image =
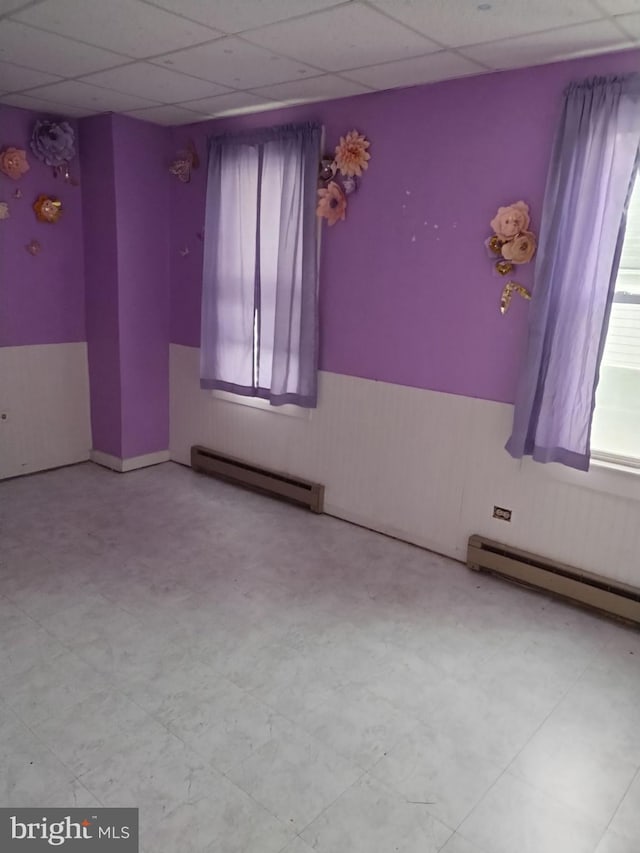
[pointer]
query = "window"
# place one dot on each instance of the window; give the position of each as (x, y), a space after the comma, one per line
(615, 433)
(259, 295)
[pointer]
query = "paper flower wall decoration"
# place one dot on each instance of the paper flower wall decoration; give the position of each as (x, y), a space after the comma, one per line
(53, 142)
(184, 163)
(332, 204)
(513, 243)
(351, 154)
(339, 176)
(4, 210)
(47, 209)
(33, 247)
(13, 163)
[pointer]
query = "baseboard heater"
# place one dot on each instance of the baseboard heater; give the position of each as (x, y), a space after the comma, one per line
(259, 479)
(586, 588)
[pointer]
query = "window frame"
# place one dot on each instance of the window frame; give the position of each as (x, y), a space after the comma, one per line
(602, 457)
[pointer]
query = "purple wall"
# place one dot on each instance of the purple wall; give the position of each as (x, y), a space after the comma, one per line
(41, 298)
(101, 274)
(142, 152)
(126, 224)
(407, 293)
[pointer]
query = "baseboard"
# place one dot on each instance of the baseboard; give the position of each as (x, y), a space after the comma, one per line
(130, 464)
(392, 532)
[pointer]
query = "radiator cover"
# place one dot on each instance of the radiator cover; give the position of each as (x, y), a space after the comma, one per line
(259, 479)
(562, 580)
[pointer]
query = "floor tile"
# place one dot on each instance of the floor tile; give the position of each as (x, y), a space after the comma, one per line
(294, 776)
(71, 794)
(626, 821)
(56, 684)
(426, 767)
(297, 846)
(166, 773)
(515, 816)
(30, 771)
(458, 844)
(357, 724)
(357, 690)
(87, 733)
(226, 821)
(495, 727)
(228, 730)
(370, 817)
(576, 765)
(612, 843)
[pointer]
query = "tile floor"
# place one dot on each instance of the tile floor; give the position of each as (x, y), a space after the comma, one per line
(258, 679)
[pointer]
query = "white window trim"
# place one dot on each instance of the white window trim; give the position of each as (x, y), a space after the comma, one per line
(608, 477)
(262, 405)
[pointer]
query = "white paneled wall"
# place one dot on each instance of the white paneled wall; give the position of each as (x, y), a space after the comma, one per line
(425, 466)
(44, 396)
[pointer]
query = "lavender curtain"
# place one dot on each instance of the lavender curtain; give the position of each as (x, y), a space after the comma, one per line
(592, 169)
(259, 333)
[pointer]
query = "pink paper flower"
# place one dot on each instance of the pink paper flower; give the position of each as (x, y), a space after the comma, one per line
(13, 162)
(511, 220)
(521, 249)
(332, 204)
(351, 154)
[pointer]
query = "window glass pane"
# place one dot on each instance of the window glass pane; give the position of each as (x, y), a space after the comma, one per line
(236, 261)
(616, 423)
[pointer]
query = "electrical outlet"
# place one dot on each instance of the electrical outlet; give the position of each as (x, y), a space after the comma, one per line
(502, 513)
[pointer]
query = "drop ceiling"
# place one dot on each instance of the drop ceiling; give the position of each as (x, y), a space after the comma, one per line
(180, 61)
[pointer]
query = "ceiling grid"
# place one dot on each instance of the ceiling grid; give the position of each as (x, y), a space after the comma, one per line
(180, 61)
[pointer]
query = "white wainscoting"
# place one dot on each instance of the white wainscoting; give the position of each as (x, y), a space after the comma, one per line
(132, 463)
(44, 393)
(421, 465)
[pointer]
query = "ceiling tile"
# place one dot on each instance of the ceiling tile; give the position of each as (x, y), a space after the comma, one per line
(7, 6)
(47, 52)
(470, 22)
(167, 115)
(345, 37)
(233, 17)
(411, 72)
(155, 82)
(14, 78)
(39, 105)
(630, 23)
(126, 26)
(323, 88)
(225, 103)
(236, 63)
(552, 46)
(619, 7)
(83, 95)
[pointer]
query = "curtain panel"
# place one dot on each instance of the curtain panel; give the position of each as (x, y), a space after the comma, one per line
(259, 330)
(593, 166)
